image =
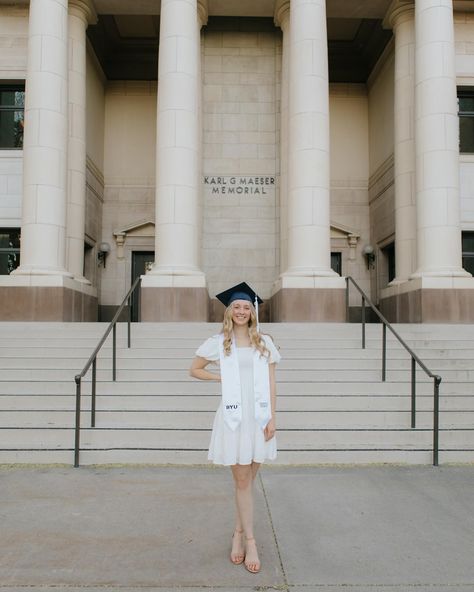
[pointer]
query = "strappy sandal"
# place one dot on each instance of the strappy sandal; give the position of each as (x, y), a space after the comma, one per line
(237, 558)
(252, 566)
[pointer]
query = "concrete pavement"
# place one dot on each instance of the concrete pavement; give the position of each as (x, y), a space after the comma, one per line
(319, 529)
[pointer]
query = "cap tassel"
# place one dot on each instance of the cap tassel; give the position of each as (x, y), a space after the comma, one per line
(256, 312)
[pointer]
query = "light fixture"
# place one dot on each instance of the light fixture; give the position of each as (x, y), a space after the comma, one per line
(104, 250)
(368, 252)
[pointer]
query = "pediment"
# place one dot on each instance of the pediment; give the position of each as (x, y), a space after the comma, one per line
(141, 228)
(341, 231)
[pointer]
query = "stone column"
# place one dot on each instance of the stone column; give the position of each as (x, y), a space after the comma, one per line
(309, 252)
(308, 289)
(439, 290)
(437, 142)
(282, 19)
(402, 20)
(176, 273)
(43, 230)
(81, 14)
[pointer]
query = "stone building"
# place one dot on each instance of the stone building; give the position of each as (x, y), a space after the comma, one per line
(200, 143)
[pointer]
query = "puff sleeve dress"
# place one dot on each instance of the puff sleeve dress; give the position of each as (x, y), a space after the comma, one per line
(247, 442)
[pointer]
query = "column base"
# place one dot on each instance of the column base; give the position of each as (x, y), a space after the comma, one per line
(325, 304)
(46, 298)
(429, 300)
(173, 304)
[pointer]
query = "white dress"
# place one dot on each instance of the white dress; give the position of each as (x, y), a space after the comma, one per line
(247, 442)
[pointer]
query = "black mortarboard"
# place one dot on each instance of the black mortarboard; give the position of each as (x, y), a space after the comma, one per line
(240, 292)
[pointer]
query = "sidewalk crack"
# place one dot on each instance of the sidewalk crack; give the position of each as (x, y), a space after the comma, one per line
(286, 585)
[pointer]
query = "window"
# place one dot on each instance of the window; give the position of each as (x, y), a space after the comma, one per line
(468, 251)
(336, 262)
(9, 250)
(12, 106)
(466, 121)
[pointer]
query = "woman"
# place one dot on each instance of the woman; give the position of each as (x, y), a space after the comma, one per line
(243, 434)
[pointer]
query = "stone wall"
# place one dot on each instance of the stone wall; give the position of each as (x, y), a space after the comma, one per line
(349, 115)
(13, 42)
(11, 168)
(13, 53)
(129, 178)
(381, 187)
(241, 61)
(95, 167)
(464, 37)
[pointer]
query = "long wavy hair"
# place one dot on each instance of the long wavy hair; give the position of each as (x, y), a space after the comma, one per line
(256, 338)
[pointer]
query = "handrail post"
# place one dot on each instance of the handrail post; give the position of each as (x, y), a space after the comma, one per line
(77, 429)
(437, 380)
(93, 397)
(413, 392)
(129, 332)
(347, 300)
(363, 322)
(114, 352)
(384, 352)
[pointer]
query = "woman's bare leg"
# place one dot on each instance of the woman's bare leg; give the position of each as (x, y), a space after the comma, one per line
(237, 554)
(255, 467)
(244, 476)
(238, 522)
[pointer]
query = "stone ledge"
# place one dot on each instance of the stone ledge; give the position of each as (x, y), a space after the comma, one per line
(309, 305)
(174, 304)
(46, 303)
(430, 306)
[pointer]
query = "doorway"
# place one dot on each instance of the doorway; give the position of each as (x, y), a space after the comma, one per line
(141, 262)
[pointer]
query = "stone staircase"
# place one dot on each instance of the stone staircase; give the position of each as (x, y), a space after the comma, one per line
(332, 405)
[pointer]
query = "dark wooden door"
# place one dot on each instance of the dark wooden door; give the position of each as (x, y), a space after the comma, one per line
(141, 261)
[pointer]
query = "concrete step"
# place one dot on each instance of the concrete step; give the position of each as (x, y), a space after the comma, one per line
(190, 387)
(184, 420)
(199, 457)
(332, 405)
(284, 375)
(293, 331)
(73, 364)
(184, 334)
(303, 403)
(198, 439)
(187, 353)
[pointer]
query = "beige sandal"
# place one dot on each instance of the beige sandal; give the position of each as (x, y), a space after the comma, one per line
(252, 566)
(237, 558)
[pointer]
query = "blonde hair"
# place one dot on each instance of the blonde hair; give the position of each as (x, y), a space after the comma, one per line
(256, 339)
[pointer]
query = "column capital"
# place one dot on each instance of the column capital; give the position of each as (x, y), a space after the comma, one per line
(282, 13)
(202, 12)
(83, 9)
(398, 12)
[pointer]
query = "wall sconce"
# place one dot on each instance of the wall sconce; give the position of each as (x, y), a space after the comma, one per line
(368, 252)
(104, 250)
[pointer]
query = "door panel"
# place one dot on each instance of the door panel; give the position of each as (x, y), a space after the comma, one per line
(141, 261)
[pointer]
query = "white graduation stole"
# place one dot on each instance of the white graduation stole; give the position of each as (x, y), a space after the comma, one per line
(231, 387)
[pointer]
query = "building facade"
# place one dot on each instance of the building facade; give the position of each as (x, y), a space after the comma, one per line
(200, 143)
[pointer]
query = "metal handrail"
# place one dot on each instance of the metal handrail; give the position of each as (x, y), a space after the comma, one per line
(93, 361)
(414, 361)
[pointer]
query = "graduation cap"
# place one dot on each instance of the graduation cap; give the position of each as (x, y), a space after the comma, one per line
(240, 292)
